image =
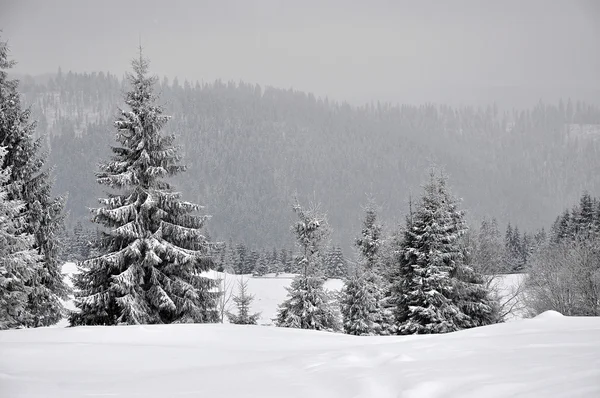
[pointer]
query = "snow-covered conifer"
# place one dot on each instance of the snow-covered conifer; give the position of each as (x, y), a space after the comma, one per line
(308, 305)
(152, 251)
(243, 301)
(361, 296)
(429, 254)
(29, 183)
(262, 265)
(18, 259)
(335, 263)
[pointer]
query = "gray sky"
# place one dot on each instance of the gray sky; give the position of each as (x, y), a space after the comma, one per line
(353, 50)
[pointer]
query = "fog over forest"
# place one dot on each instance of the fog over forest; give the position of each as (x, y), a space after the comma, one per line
(465, 51)
(503, 96)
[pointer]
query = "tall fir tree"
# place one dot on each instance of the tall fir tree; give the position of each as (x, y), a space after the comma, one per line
(30, 183)
(428, 256)
(308, 305)
(585, 219)
(228, 263)
(152, 251)
(471, 293)
(262, 265)
(241, 252)
(361, 297)
(18, 258)
(488, 256)
(336, 265)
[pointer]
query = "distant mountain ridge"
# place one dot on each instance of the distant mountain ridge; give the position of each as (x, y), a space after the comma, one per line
(249, 149)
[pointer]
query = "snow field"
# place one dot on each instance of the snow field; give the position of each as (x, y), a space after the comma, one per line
(548, 356)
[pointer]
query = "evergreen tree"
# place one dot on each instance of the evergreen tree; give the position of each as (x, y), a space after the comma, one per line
(512, 249)
(429, 255)
(29, 183)
(229, 258)
(362, 294)
(243, 301)
(308, 305)
(335, 264)
(370, 240)
(358, 306)
(240, 259)
(251, 262)
(262, 266)
(585, 219)
(276, 265)
(478, 306)
(18, 259)
(286, 260)
(488, 256)
(152, 252)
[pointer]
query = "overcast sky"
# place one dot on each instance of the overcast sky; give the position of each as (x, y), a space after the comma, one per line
(349, 50)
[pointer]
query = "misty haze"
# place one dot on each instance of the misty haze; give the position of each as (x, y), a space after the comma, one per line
(265, 198)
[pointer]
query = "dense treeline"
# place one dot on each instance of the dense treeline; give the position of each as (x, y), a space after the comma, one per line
(253, 148)
(565, 271)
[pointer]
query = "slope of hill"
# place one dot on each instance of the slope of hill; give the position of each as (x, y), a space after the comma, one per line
(549, 356)
(250, 149)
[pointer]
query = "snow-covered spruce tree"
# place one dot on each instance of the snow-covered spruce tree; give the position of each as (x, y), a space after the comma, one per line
(438, 289)
(30, 183)
(370, 240)
(262, 265)
(228, 263)
(243, 301)
(473, 293)
(335, 263)
(362, 293)
(308, 305)
(428, 256)
(152, 252)
(18, 259)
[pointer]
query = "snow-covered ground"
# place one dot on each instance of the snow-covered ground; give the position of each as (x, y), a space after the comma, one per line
(548, 356)
(270, 291)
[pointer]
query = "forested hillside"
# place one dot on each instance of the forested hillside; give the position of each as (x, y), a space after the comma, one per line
(249, 149)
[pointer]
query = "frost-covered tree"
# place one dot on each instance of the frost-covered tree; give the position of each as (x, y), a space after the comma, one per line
(152, 251)
(429, 254)
(488, 254)
(335, 263)
(361, 297)
(243, 301)
(308, 305)
(262, 265)
(438, 290)
(475, 293)
(370, 240)
(18, 259)
(276, 265)
(228, 263)
(360, 304)
(31, 184)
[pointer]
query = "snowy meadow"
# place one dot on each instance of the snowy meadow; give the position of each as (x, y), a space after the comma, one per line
(547, 356)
